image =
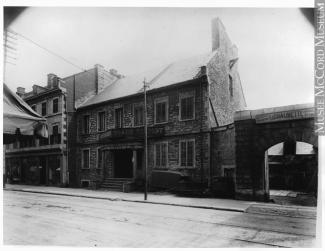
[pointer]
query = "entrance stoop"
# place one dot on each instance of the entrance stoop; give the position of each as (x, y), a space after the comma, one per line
(117, 184)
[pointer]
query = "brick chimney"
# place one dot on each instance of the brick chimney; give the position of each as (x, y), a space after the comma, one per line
(52, 80)
(20, 91)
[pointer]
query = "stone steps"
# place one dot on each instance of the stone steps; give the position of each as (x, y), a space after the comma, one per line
(115, 184)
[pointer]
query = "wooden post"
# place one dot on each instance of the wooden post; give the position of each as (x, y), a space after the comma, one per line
(145, 141)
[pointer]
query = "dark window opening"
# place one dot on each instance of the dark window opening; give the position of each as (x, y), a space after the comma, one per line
(101, 121)
(138, 115)
(85, 158)
(119, 118)
(161, 112)
(55, 105)
(187, 108)
(86, 124)
(44, 109)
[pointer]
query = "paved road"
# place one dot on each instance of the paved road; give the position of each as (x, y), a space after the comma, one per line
(41, 219)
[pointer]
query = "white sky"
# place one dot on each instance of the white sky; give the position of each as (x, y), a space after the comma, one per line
(275, 45)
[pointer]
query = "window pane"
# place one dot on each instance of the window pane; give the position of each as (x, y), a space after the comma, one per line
(183, 153)
(101, 122)
(190, 153)
(157, 154)
(187, 108)
(138, 116)
(86, 159)
(161, 112)
(99, 158)
(163, 154)
(43, 109)
(86, 124)
(55, 105)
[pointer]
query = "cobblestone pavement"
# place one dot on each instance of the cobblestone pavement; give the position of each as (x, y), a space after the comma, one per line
(42, 219)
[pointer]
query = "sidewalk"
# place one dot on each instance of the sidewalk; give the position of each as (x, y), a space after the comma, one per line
(170, 199)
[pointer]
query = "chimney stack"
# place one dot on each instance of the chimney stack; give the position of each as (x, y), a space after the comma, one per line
(52, 80)
(20, 91)
(216, 30)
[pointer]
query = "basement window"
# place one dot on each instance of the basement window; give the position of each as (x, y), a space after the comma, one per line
(85, 183)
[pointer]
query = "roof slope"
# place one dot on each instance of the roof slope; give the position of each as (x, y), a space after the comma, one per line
(174, 73)
(18, 115)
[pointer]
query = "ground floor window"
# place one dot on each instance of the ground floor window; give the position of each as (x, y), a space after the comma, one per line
(161, 155)
(99, 158)
(85, 159)
(187, 153)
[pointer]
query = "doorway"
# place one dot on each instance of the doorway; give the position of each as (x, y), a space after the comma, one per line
(290, 173)
(123, 164)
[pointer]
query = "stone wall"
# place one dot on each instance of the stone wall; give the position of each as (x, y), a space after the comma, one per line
(253, 139)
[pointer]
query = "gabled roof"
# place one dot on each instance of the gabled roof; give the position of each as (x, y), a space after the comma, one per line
(174, 73)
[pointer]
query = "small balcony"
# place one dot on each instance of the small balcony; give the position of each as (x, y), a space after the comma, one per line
(131, 133)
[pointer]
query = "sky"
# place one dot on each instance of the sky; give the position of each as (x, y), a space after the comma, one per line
(275, 45)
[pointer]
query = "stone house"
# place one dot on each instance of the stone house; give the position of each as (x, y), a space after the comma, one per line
(42, 161)
(190, 107)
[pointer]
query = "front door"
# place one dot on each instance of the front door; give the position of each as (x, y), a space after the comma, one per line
(123, 164)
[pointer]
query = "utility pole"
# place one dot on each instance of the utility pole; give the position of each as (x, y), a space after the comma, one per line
(145, 141)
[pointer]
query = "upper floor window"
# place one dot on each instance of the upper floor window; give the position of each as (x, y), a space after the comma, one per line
(55, 138)
(187, 107)
(85, 158)
(55, 105)
(231, 87)
(44, 108)
(161, 155)
(85, 124)
(138, 115)
(101, 121)
(187, 153)
(119, 118)
(34, 107)
(161, 110)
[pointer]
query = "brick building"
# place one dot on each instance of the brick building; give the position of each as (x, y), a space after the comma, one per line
(190, 107)
(42, 161)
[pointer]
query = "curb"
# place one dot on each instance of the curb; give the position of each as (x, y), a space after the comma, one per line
(128, 200)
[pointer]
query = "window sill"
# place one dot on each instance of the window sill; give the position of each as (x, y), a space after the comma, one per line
(184, 120)
(161, 123)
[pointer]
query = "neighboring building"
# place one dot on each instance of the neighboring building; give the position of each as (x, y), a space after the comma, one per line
(42, 161)
(190, 104)
(51, 161)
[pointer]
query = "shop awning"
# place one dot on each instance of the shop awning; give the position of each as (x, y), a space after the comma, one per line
(19, 118)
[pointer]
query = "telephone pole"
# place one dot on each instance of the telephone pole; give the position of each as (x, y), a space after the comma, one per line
(145, 140)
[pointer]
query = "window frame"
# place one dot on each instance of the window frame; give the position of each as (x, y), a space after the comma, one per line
(98, 121)
(82, 158)
(99, 166)
(180, 153)
(52, 134)
(184, 96)
(158, 101)
(45, 102)
(138, 106)
(121, 108)
(57, 106)
(155, 155)
(83, 124)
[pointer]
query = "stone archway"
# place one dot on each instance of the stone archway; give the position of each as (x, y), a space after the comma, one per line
(257, 131)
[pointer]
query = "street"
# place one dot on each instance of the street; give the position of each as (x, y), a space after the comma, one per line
(42, 219)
